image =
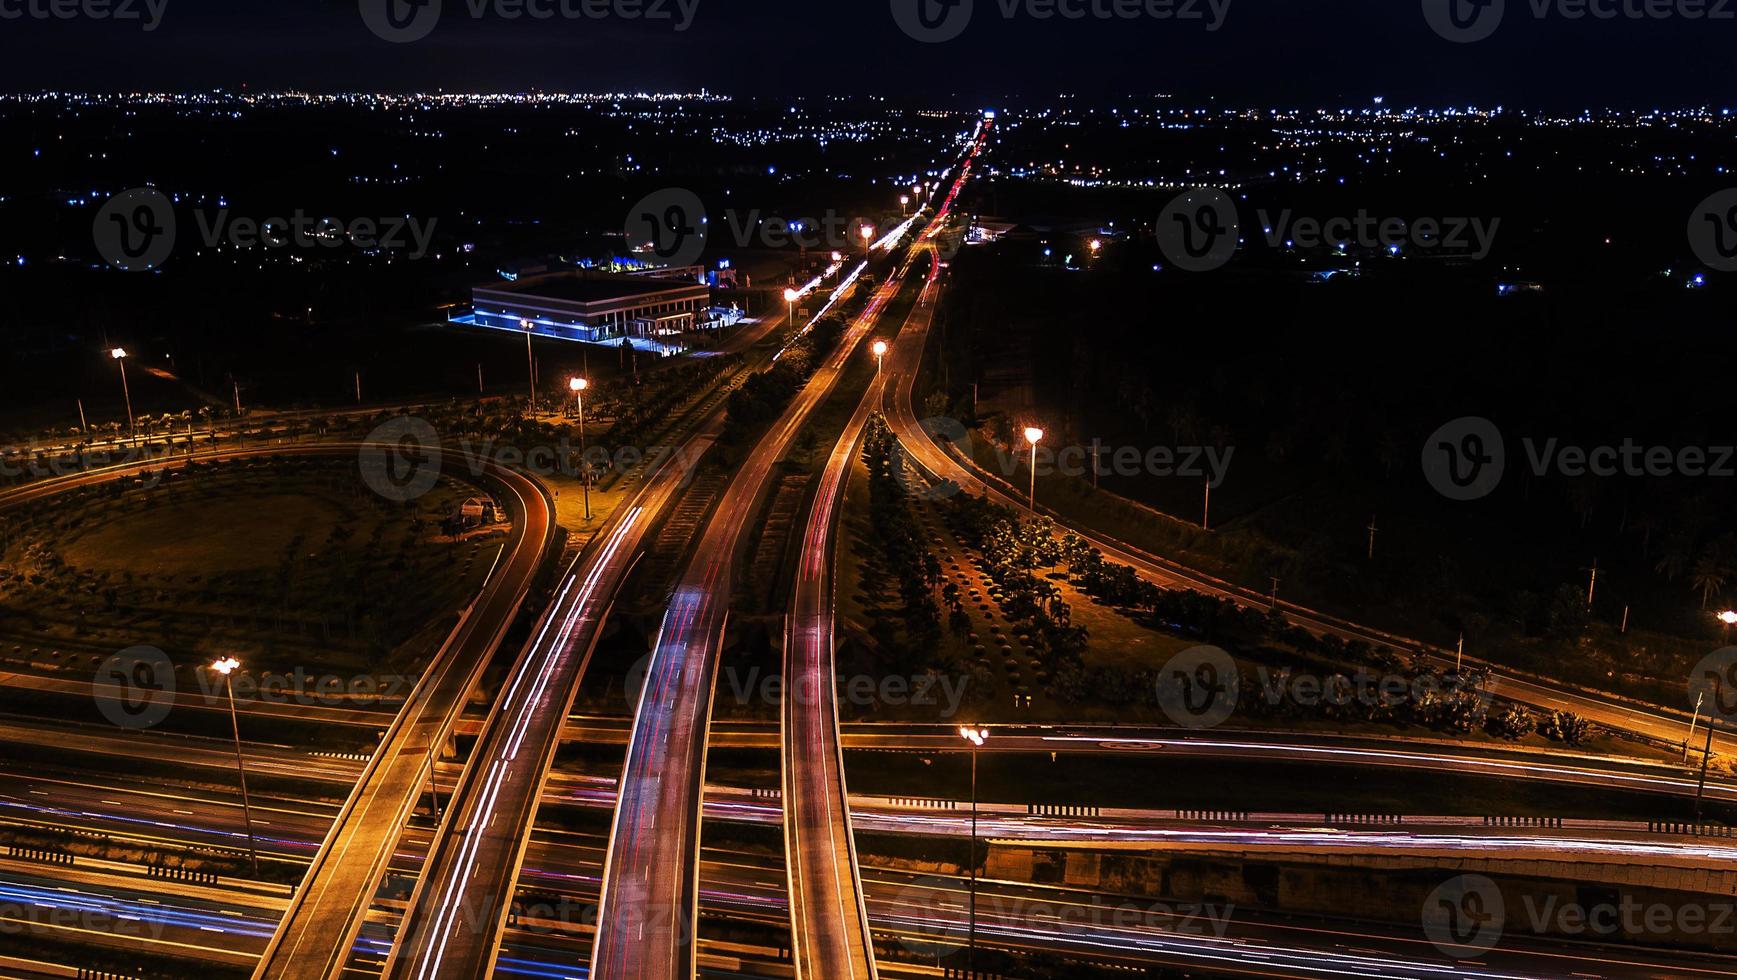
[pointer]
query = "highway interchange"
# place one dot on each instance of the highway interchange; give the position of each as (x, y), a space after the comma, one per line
(649, 882)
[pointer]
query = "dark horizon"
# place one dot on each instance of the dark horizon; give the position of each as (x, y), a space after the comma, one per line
(1260, 54)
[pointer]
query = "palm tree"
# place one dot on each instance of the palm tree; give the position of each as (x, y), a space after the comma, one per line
(1674, 561)
(1709, 577)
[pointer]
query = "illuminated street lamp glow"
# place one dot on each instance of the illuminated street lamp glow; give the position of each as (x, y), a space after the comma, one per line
(578, 386)
(226, 667)
(1728, 617)
(120, 356)
(530, 364)
(976, 736)
(1033, 435)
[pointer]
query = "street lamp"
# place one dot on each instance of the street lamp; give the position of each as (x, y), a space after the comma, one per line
(868, 236)
(120, 356)
(226, 667)
(578, 386)
(975, 736)
(904, 203)
(1034, 436)
(1729, 619)
(790, 298)
(880, 350)
(530, 364)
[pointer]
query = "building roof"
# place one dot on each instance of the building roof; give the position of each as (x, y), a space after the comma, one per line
(575, 288)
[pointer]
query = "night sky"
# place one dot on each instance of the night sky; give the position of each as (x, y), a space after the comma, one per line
(1267, 52)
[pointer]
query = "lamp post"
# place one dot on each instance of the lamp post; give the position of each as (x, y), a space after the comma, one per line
(578, 385)
(1694, 721)
(790, 298)
(530, 364)
(120, 356)
(1727, 619)
(1034, 436)
(868, 237)
(976, 736)
(226, 667)
(880, 352)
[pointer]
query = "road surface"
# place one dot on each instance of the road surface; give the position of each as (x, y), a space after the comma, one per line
(651, 891)
(313, 940)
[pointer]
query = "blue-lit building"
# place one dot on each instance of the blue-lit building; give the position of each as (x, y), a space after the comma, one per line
(649, 311)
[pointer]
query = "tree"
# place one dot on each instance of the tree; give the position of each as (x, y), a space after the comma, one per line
(1512, 722)
(1708, 577)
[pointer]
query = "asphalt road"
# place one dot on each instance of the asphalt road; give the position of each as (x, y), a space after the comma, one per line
(829, 924)
(313, 941)
(650, 895)
(460, 905)
(924, 914)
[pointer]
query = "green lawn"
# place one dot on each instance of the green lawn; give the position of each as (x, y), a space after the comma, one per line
(285, 564)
